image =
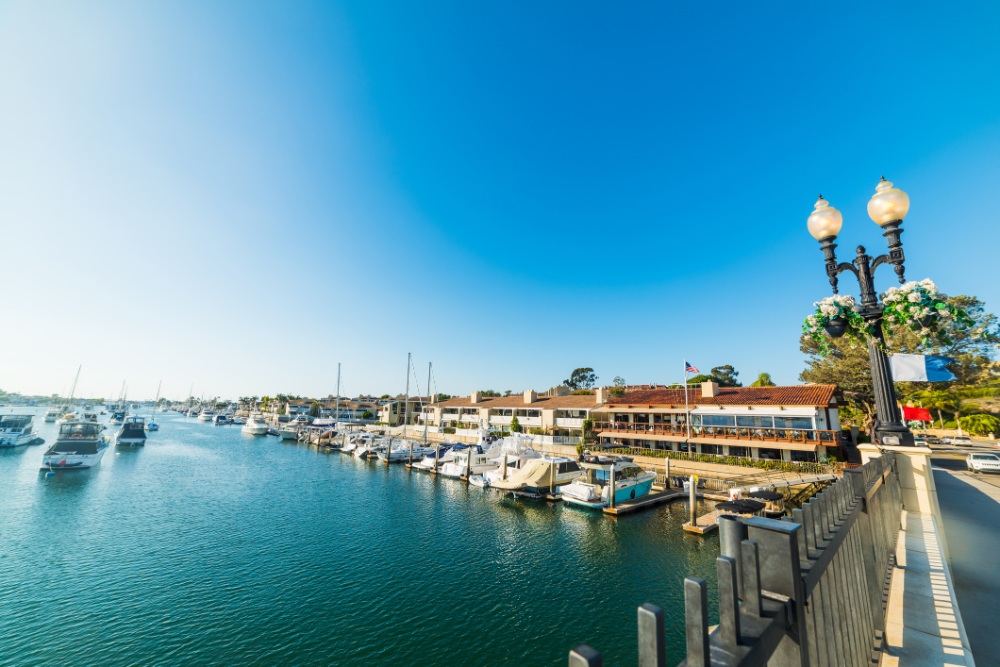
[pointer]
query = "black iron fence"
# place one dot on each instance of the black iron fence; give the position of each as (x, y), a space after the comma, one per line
(809, 590)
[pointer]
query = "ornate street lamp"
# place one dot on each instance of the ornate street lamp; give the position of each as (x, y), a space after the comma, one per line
(887, 208)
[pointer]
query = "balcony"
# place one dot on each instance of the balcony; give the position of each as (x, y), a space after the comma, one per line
(569, 422)
(745, 433)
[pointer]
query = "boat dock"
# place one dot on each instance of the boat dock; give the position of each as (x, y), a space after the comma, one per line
(649, 500)
(706, 523)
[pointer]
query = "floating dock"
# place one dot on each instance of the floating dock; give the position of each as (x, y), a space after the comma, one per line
(704, 524)
(649, 500)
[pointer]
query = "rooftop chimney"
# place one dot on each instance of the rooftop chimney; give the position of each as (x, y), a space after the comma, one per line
(530, 396)
(602, 395)
(709, 389)
(476, 397)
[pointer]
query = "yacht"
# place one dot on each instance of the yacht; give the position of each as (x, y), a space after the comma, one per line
(472, 461)
(593, 490)
(292, 429)
(222, 420)
(514, 452)
(401, 452)
(132, 432)
(206, 415)
(445, 454)
(17, 430)
(239, 421)
(545, 472)
(255, 426)
(51, 415)
(79, 445)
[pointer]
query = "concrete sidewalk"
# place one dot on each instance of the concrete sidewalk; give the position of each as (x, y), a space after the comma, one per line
(970, 509)
(923, 625)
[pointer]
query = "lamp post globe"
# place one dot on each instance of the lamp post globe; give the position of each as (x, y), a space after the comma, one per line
(887, 208)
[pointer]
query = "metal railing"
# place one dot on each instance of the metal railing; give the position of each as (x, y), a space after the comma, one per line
(753, 433)
(808, 590)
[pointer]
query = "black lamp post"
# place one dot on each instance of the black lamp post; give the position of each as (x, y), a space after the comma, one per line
(887, 208)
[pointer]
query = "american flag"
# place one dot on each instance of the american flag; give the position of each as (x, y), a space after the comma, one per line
(688, 368)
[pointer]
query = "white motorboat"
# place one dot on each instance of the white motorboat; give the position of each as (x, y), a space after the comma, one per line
(293, 429)
(132, 432)
(238, 421)
(352, 440)
(514, 452)
(79, 445)
(468, 462)
(255, 425)
(399, 451)
(206, 415)
(368, 448)
(593, 489)
(546, 473)
(17, 430)
(51, 415)
(445, 454)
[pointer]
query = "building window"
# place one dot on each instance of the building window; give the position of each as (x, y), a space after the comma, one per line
(739, 451)
(711, 449)
(715, 420)
(768, 453)
(800, 423)
(803, 456)
(755, 422)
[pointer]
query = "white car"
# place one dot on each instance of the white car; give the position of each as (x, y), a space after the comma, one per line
(958, 440)
(983, 462)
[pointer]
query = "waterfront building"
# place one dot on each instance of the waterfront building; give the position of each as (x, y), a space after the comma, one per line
(559, 416)
(799, 423)
(393, 411)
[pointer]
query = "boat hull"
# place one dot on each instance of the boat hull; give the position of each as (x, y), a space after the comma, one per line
(61, 461)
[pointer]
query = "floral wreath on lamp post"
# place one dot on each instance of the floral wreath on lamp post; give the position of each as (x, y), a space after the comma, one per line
(916, 306)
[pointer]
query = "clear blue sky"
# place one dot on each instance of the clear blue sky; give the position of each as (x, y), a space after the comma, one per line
(238, 195)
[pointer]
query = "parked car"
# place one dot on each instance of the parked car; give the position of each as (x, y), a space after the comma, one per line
(958, 440)
(933, 440)
(983, 462)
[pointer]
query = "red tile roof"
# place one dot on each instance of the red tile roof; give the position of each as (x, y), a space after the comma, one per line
(818, 395)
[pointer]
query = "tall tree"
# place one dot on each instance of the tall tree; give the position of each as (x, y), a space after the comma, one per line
(581, 378)
(726, 376)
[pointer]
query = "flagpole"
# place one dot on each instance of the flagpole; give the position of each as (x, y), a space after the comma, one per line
(687, 411)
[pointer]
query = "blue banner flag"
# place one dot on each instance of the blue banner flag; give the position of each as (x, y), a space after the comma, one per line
(920, 368)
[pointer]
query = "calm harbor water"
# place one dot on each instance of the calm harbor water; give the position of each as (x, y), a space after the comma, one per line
(208, 547)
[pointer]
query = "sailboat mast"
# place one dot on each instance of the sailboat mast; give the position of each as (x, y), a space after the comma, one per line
(156, 400)
(406, 404)
(337, 417)
(75, 380)
(428, 400)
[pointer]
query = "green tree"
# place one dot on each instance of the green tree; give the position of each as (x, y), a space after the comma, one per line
(763, 380)
(366, 415)
(515, 425)
(489, 393)
(618, 390)
(980, 424)
(581, 378)
(726, 376)
(314, 409)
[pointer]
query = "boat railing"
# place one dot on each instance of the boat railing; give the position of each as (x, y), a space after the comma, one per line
(785, 587)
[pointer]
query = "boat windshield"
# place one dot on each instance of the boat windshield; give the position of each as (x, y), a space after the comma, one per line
(79, 431)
